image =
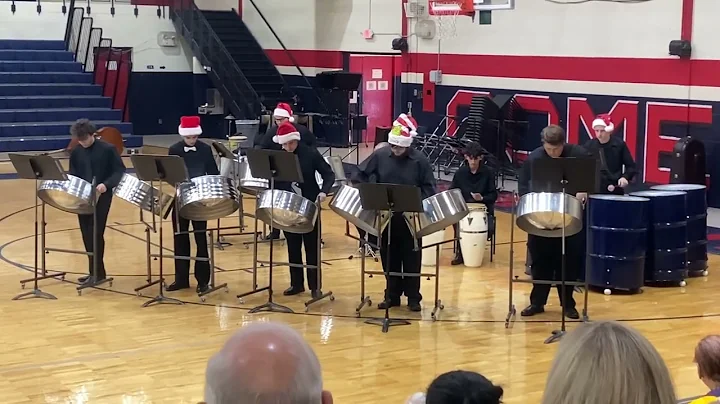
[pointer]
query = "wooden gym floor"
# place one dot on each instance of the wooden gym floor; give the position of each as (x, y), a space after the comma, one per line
(102, 347)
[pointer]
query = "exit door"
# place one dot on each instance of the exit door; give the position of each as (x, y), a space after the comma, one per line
(376, 92)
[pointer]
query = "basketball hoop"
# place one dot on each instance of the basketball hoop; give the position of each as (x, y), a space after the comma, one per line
(446, 12)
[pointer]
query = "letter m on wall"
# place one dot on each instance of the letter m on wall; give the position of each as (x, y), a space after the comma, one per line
(580, 116)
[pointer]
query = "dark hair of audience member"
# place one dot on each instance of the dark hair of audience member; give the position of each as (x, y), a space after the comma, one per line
(463, 387)
(473, 149)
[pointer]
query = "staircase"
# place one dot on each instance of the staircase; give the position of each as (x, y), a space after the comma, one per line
(43, 91)
(239, 67)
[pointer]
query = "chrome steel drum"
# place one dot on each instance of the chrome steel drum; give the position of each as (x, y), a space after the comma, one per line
(540, 214)
(239, 171)
(72, 196)
(142, 195)
(442, 210)
(346, 203)
(287, 211)
(207, 198)
(336, 164)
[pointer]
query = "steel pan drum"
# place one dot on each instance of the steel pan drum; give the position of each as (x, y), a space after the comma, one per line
(287, 211)
(696, 201)
(540, 214)
(666, 259)
(239, 170)
(208, 197)
(336, 164)
(138, 193)
(72, 196)
(618, 228)
(346, 203)
(442, 210)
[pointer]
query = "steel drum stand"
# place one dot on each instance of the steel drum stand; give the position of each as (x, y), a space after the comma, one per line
(365, 249)
(319, 265)
(37, 168)
(151, 227)
(95, 282)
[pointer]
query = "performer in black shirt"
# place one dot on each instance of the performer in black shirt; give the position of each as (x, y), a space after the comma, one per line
(613, 154)
(545, 252)
(99, 161)
(401, 164)
(476, 181)
(362, 233)
(311, 161)
(199, 161)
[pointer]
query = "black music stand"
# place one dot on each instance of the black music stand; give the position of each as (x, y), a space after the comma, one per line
(38, 168)
(392, 198)
(571, 175)
(160, 168)
(272, 165)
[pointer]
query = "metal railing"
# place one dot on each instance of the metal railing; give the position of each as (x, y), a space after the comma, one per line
(224, 71)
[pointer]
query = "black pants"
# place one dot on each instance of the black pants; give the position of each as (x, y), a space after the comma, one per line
(402, 257)
(182, 248)
(546, 254)
(370, 238)
(86, 229)
(294, 246)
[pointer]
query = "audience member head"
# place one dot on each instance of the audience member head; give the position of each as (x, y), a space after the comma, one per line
(265, 363)
(459, 387)
(553, 140)
(707, 357)
(607, 363)
(84, 131)
(473, 155)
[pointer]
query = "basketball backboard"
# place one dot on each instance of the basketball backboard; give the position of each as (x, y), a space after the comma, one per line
(482, 5)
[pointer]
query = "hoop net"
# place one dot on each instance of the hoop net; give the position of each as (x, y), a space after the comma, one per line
(445, 14)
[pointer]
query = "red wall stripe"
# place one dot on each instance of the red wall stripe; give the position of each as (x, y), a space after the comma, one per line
(686, 29)
(307, 58)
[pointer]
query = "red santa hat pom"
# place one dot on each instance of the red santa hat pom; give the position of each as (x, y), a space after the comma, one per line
(404, 129)
(284, 110)
(285, 133)
(190, 126)
(604, 121)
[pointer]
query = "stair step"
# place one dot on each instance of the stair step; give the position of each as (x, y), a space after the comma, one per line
(31, 44)
(59, 114)
(34, 66)
(48, 143)
(44, 77)
(55, 101)
(37, 55)
(34, 129)
(49, 89)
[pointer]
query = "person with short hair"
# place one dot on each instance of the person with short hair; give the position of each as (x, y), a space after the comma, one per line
(546, 252)
(265, 363)
(100, 161)
(617, 167)
(707, 358)
(459, 386)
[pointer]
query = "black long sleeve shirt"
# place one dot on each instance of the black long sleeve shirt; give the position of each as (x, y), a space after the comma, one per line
(612, 156)
(481, 182)
(198, 162)
(413, 168)
(311, 161)
(101, 161)
(525, 177)
(265, 141)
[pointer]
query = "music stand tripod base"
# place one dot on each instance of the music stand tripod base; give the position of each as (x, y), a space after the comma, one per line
(271, 307)
(35, 293)
(556, 336)
(386, 322)
(162, 299)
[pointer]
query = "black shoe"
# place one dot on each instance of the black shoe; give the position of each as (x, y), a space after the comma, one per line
(532, 310)
(458, 260)
(89, 280)
(388, 303)
(292, 290)
(272, 237)
(316, 294)
(177, 286)
(572, 314)
(82, 279)
(202, 289)
(414, 306)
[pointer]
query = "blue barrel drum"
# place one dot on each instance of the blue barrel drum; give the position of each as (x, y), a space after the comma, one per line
(696, 202)
(666, 260)
(617, 241)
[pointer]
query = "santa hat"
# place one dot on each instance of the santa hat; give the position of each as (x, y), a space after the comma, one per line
(190, 126)
(284, 110)
(285, 133)
(605, 121)
(404, 128)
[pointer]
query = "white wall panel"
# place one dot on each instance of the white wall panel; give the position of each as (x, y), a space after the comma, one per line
(706, 30)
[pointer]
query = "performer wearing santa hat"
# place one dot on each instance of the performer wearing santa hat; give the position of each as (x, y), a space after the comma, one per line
(311, 161)
(403, 165)
(199, 161)
(613, 154)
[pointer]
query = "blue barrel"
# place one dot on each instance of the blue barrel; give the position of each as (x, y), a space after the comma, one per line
(666, 259)
(696, 202)
(617, 241)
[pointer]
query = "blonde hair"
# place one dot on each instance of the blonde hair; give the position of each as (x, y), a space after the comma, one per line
(608, 363)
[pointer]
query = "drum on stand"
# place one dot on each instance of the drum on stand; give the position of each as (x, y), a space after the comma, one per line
(428, 254)
(208, 197)
(473, 235)
(336, 164)
(71, 196)
(287, 211)
(141, 194)
(617, 241)
(696, 202)
(239, 171)
(666, 259)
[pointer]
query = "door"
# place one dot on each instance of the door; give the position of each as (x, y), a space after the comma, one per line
(376, 90)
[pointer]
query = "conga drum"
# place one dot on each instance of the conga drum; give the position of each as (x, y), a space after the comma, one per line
(696, 201)
(666, 259)
(428, 254)
(473, 235)
(617, 241)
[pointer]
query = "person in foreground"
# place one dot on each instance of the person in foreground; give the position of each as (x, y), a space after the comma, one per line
(707, 357)
(401, 164)
(607, 362)
(95, 160)
(199, 160)
(546, 252)
(311, 161)
(459, 386)
(265, 363)
(476, 181)
(613, 154)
